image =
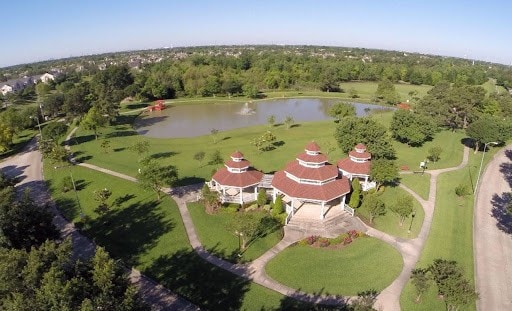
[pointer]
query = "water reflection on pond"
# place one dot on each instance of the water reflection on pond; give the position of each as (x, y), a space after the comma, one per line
(197, 120)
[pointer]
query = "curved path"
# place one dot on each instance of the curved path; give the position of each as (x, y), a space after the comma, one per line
(388, 299)
(492, 234)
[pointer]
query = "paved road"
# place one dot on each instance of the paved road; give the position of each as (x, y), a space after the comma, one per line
(27, 165)
(493, 234)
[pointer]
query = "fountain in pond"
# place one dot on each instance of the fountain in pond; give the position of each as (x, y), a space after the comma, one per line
(246, 110)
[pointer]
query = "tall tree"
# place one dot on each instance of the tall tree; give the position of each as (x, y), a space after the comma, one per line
(487, 129)
(364, 130)
(341, 110)
(403, 207)
(94, 120)
(386, 92)
(421, 282)
(411, 128)
(155, 176)
(6, 134)
(25, 223)
(384, 171)
(109, 88)
(374, 205)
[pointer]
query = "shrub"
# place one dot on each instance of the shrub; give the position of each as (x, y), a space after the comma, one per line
(462, 190)
(324, 242)
(232, 208)
(66, 184)
(262, 197)
(280, 217)
(278, 205)
(310, 240)
(347, 240)
(353, 234)
(337, 240)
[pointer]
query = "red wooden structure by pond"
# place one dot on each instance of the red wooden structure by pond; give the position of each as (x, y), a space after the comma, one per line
(158, 106)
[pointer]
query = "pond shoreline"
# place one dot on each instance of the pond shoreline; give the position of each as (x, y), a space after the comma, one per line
(193, 120)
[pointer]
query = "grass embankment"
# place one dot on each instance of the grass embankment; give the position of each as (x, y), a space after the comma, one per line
(150, 235)
(389, 222)
(215, 236)
(365, 264)
(451, 235)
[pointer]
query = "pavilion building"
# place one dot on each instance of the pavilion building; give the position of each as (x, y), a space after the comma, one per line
(357, 165)
(309, 184)
(237, 181)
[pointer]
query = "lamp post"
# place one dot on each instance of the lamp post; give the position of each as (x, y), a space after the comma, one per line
(38, 125)
(412, 219)
(481, 164)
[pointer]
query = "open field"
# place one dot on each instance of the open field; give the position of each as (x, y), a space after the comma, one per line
(365, 264)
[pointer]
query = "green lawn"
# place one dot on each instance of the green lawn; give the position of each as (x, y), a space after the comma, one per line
(451, 142)
(451, 235)
(366, 90)
(180, 151)
(214, 235)
(366, 264)
(389, 222)
(419, 183)
(150, 236)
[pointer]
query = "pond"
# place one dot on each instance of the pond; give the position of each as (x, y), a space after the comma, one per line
(200, 119)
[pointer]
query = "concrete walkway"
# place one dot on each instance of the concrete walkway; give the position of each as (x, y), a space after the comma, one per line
(388, 299)
(492, 234)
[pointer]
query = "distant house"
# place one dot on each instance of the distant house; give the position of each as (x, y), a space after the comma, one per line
(15, 85)
(47, 77)
(5, 88)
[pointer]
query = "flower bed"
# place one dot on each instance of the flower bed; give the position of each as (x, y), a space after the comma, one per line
(337, 242)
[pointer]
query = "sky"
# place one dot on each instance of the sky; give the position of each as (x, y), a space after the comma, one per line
(37, 30)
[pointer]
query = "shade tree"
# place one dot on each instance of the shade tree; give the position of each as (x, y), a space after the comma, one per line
(341, 110)
(364, 130)
(411, 128)
(154, 176)
(374, 205)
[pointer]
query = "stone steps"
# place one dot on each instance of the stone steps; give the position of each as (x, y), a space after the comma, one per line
(331, 227)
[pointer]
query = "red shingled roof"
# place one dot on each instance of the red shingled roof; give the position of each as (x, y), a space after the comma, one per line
(226, 178)
(352, 167)
(310, 158)
(321, 173)
(326, 192)
(360, 155)
(237, 155)
(360, 146)
(313, 146)
(237, 164)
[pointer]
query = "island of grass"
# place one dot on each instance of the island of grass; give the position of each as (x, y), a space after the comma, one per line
(215, 236)
(365, 264)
